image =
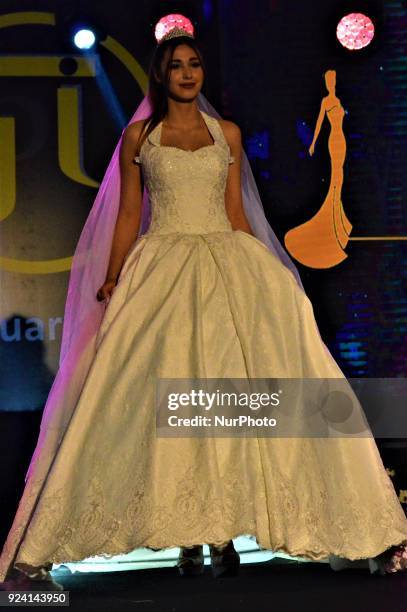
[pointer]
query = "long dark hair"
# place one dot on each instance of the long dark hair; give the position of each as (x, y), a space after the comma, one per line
(158, 89)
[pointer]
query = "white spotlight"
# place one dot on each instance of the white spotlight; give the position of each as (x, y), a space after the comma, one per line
(84, 39)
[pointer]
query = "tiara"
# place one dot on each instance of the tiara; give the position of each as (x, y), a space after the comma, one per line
(172, 26)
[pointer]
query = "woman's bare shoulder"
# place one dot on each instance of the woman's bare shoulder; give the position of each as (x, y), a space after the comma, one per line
(132, 133)
(133, 130)
(231, 131)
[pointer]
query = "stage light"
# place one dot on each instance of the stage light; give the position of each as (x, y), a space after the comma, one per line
(84, 39)
(355, 31)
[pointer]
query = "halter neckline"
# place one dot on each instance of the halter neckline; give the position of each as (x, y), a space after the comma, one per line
(155, 135)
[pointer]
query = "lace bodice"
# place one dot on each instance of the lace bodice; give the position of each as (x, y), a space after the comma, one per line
(186, 188)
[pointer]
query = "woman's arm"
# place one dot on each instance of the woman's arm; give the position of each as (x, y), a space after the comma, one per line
(318, 126)
(129, 215)
(233, 191)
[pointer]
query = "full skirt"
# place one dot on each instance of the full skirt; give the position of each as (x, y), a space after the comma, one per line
(214, 305)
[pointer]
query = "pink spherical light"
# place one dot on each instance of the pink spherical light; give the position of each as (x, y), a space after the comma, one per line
(355, 31)
(169, 22)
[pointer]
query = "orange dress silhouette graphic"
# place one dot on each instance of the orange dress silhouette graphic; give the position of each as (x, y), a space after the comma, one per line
(320, 242)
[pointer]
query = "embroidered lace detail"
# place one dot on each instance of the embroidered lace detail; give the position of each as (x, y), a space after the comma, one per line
(299, 521)
(172, 174)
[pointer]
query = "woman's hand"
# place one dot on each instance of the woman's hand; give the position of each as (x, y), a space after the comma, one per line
(106, 290)
(311, 149)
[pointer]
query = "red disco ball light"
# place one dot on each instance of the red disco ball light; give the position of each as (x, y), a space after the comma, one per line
(355, 31)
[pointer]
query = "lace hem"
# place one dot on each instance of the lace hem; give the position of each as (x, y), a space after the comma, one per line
(391, 559)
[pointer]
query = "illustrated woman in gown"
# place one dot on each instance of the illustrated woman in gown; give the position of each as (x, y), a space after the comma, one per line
(197, 295)
(321, 241)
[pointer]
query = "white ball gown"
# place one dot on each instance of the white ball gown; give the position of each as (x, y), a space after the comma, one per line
(196, 299)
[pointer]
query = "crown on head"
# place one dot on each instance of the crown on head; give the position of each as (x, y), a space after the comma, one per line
(171, 26)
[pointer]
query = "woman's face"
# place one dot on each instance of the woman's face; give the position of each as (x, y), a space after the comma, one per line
(186, 74)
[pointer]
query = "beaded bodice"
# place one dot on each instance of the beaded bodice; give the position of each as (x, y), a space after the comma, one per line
(186, 188)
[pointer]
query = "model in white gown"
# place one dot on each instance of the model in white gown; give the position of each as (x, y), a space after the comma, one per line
(197, 299)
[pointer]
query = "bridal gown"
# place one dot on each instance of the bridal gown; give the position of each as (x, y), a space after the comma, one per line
(196, 299)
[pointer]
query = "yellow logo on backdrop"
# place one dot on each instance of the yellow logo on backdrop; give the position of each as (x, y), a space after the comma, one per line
(68, 113)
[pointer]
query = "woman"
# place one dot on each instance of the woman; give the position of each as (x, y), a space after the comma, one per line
(197, 295)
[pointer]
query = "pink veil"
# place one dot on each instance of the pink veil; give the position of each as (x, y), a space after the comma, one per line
(83, 313)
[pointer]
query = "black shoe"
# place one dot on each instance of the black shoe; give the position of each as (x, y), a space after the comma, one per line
(225, 561)
(191, 561)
